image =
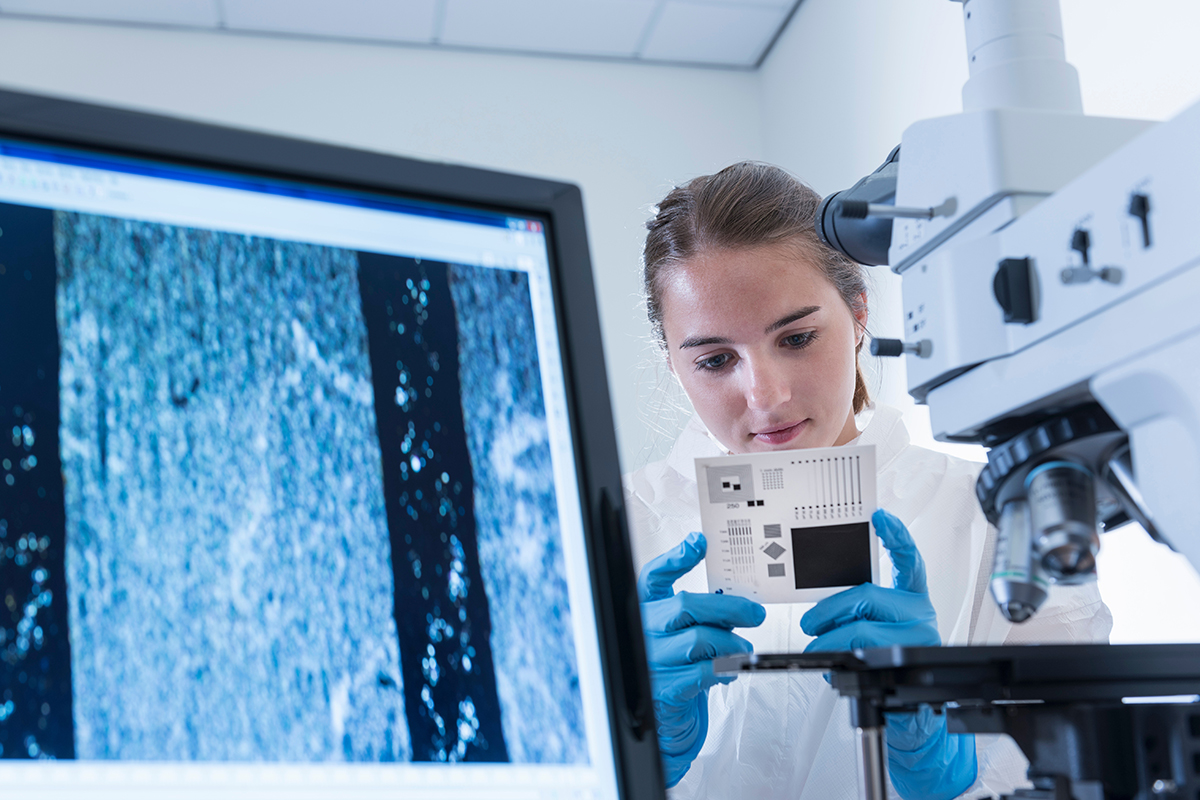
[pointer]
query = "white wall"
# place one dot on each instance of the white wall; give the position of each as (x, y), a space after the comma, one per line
(621, 131)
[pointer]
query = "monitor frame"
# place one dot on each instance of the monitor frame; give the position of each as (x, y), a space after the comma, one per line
(60, 122)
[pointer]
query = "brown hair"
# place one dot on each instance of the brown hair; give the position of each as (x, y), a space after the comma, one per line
(745, 205)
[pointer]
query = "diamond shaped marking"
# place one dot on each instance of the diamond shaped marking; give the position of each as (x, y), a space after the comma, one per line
(774, 550)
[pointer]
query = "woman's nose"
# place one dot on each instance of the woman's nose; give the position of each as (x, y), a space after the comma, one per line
(766, 386)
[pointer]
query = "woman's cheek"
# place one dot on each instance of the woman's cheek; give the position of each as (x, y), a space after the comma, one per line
(725, 406)
(831, 386)
(712, 400)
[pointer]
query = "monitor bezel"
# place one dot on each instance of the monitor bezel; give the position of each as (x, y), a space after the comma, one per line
(60, 122)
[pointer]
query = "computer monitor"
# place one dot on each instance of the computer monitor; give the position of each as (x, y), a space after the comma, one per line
(308, 479)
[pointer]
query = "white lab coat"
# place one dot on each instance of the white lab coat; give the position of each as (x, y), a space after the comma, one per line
(788, 735)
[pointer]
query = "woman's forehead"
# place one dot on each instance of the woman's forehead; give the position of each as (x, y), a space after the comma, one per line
(742, 287)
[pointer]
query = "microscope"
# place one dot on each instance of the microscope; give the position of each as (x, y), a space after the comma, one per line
(1050, 277)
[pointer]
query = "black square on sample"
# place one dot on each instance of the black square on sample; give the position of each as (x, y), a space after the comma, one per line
(832, 555)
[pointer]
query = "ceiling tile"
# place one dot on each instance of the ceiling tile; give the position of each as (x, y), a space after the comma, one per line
(750, 3)
(577, 27)
(734, 34)
(201, 13)
(391, 20)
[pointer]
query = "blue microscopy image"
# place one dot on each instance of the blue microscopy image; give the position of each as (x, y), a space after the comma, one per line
(516, 515)
(269, 501)
(228, 562)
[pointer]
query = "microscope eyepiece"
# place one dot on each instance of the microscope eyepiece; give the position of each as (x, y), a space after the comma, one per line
(853, 209)
(843, 222)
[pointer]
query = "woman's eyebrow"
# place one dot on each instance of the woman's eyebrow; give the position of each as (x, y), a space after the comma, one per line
(704, 341)
(697, 341)
(792, 317)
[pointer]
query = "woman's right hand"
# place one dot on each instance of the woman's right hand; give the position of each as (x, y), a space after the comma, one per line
(684, 633)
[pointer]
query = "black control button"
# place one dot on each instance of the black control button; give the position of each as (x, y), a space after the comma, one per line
(1139, 206)
(887, 347)
(1013, 287)
(1081, 242)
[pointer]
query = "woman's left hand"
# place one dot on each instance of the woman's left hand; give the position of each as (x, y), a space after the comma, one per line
(924, 759)
(872, 616)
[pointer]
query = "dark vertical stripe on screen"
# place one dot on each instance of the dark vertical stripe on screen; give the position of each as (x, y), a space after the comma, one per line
(35, 653)
(441, 607)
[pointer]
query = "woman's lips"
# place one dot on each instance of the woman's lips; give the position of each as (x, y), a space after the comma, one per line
(781, 435)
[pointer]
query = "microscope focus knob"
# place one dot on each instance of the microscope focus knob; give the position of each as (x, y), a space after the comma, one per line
(887, 347)
(896, 347)
(1013, 287)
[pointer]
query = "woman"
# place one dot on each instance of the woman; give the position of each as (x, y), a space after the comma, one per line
(762, 325)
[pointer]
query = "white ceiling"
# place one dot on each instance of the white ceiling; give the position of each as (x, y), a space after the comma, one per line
(720, 33)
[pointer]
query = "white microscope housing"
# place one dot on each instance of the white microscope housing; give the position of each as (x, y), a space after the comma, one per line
(1051, 302)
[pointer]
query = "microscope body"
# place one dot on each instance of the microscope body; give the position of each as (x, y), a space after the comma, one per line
(1052, 316)
(1050, 273)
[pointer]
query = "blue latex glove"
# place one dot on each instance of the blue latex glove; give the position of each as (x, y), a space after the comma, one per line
(924, 760)
(684, 633)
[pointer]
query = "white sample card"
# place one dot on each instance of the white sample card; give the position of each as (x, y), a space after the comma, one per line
(790, 526)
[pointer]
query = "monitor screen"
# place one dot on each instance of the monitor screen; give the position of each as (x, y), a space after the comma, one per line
(288, 498)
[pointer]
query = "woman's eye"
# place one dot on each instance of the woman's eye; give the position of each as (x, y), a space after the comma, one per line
(713, 363)
(798, 341)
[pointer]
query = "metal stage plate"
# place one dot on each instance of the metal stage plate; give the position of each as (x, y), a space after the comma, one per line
(899, 677)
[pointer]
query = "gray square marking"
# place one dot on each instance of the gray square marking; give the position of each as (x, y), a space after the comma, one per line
(730, 482)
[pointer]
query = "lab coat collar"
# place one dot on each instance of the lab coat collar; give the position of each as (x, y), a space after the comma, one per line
(886, 430)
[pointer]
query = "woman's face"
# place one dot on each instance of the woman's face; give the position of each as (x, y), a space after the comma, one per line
(764, 347)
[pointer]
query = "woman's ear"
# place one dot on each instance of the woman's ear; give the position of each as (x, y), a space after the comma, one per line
(860, 316)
